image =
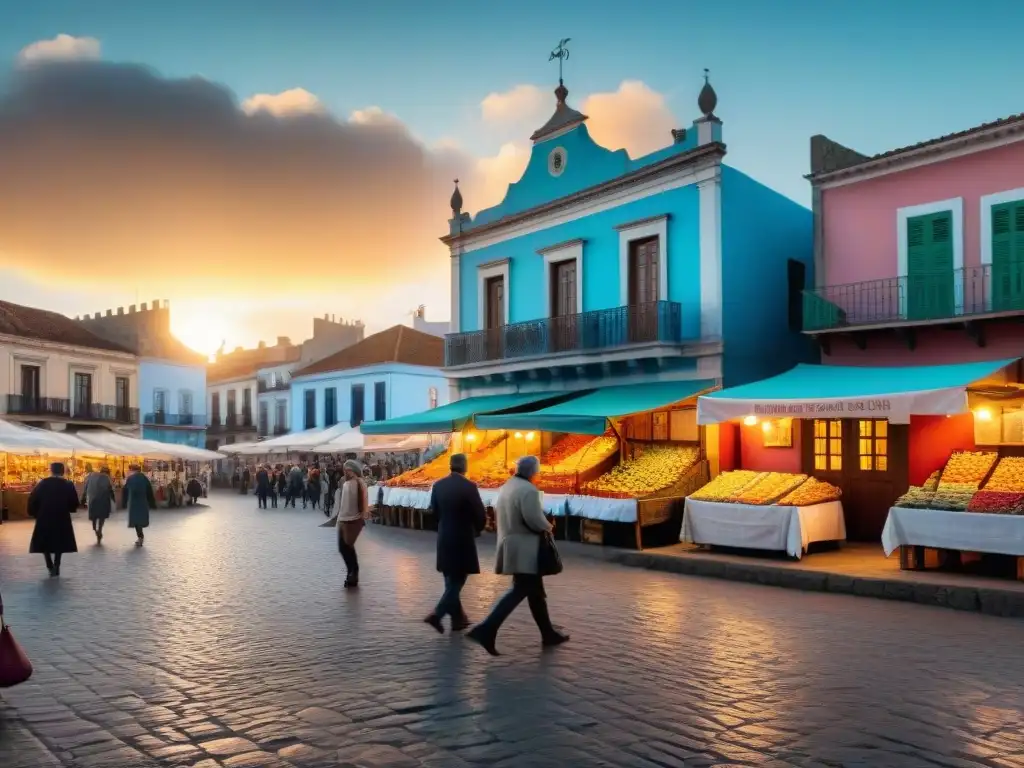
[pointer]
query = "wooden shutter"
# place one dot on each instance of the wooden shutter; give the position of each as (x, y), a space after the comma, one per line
(1007, 281)
(930, 266)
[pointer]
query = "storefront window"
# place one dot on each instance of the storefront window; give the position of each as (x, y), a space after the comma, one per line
(874, 445)
(828, 445)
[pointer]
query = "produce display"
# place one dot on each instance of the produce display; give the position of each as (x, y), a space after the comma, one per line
(770, 488)
(423, 476)
(916, 497)
(653, 470)
(997, 503)
(966, 469)
(728, 485)
(1008, 476)
(592, 453)
(951, 500)
(487, 467)
(564, 448)
(932, 483)
(811, 492)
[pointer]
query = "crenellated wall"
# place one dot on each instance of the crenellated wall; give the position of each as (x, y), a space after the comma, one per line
(136, 328)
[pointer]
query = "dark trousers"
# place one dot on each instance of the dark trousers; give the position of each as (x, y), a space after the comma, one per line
(525, 586)
(273, 500)
(450, 603)
(314, 497)
(138, 532)
(262, 499)
(348, 554)
(97, 524)
(52, 562)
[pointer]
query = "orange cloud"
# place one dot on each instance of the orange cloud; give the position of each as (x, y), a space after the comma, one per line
(518, 108)
(294, 101)
(60, 48)
(634, 117)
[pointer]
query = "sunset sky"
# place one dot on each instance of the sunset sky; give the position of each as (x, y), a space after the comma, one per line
(259, 162)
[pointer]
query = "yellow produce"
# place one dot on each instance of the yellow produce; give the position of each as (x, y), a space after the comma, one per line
(811, 492)
(1008, 476)
(932, 483)
(967, 469)
(587, 457)
(770, 488)
(652, 471)
(728, 485)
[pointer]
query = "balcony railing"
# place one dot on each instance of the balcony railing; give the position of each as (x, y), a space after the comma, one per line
(280, 429)
(174, 419)
(63, 408)
(278, 386)
(657, 321)
(231, 422)
(968, 292)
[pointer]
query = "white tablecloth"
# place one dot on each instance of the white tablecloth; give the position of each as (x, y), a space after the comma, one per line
(964, 531)
(747, 526)
(609, 510)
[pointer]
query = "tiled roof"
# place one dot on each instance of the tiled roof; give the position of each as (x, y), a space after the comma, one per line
(1009, 121)
(398, 344)
(43, 325)
(246, 362)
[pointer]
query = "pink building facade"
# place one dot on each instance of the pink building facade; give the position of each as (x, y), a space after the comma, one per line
(919, 252)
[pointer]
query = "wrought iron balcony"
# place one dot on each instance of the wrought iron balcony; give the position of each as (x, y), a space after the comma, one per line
(174, 419)
(958, 293)
(278, 386)
(654, 322)
(63, 408)
(232, 422)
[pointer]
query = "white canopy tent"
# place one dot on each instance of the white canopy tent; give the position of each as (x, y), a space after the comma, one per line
(355, 441)
(307, 440)
(112, 444)
(15, 438)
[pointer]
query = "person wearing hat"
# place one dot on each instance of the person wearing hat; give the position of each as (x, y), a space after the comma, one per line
(138, 497)
(352, 503)
(51, 503)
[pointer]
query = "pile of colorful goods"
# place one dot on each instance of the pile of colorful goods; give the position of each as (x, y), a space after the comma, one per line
(653, 470)
(932, 483)
(951, 500)
(967, 468)
(997, 503)
(1008, 475)
(423, 476)
(916, 498)
(592, 453)
(564, 448)
(770, 488)
(727, 486)
(811, 492)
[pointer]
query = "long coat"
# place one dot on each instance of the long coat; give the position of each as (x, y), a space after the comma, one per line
(459, 511)
(262, 482)
(99, 495)
(521, 521)
(138, 497)
(51, 503)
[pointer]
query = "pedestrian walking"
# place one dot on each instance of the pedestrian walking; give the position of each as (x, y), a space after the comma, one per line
(296, 486)
(194, 490)
(51, 503)
(282, 487)
(246, 479)
(456, 504)
(312, 489)
(98, 496)
(522, 531)
(262, 487)
(138, 497)
(352, 503)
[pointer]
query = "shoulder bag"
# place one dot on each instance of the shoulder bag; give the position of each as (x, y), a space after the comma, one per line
(15, 668)
(549, 561)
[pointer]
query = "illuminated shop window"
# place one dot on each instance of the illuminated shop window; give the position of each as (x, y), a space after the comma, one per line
(873, 445)
(828, 445)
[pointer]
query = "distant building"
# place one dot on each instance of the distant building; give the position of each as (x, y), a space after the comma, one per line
(273, 387)
(172, 377)
(433, 327)
(389, 374)
(57, 375)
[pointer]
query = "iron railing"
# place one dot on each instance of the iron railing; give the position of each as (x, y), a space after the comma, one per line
(277, 386)
(230, 422)
(174, 419)
(64, 408)
(656, 321)
(955, 293)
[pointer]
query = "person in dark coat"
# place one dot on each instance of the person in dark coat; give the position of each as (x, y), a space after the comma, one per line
(456, 504)
(282, 487)
(138, 496)
(262, 487)
(99, 498)
(51, 503)
(296, 486)
(194, 490)
(244, 486)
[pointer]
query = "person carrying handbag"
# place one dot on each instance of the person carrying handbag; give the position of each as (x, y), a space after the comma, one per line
(15, 668)
(352, 503)
(526, 551)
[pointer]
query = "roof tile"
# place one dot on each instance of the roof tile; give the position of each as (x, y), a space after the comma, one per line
(44, 325)
(398, 344)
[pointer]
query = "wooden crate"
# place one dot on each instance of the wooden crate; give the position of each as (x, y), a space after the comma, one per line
(591, 531)
(919, 558)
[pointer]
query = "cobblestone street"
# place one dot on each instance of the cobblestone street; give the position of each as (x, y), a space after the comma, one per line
(228, 641)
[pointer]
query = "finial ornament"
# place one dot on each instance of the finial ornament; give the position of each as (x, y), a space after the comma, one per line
(456, 200)
(708, 99)
(561, 53)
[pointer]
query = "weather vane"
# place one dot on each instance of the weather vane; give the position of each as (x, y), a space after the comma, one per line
(562, 54)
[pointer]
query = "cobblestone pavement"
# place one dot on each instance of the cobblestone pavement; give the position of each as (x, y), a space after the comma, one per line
(228, 641)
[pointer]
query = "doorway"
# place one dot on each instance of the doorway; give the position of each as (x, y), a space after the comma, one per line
(644, 289)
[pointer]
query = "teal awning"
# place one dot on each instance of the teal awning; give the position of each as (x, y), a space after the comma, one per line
(849, 391)
(452, 417)
(589, 413)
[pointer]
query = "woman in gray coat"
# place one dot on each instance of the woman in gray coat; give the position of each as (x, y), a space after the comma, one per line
(521, 523)
(99, 498)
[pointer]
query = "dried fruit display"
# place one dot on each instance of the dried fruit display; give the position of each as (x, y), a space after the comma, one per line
(811, 492)
(967, 468)
(1008, 475)
(565, 448)
(953, 501)
(957, 488)
(916, 497)
(589, 456)
(932, 483)
(727, 486)
(997, 503)
(770, 488)
(653, 470)
(424, 476)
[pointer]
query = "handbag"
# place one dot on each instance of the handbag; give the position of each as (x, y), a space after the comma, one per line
(549, 562)
(15, 668)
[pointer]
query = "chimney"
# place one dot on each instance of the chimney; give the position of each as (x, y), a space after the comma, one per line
(261, 345)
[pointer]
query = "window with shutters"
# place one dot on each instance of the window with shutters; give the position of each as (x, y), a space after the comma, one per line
(828, 445)
(1007, 281)
(929, 283)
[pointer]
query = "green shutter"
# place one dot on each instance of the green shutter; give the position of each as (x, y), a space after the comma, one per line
(1007, 282)
(930, 292)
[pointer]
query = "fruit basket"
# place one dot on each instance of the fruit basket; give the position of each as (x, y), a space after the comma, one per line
(811, 492)
(728, 485)
(653, 470)
(770, 488)
(997, 503)
(1008, 476)
(967, 469)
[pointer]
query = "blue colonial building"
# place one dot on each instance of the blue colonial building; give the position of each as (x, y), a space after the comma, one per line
(598, 268)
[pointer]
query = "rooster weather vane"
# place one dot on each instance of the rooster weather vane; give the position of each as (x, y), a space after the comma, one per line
(562, 54)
